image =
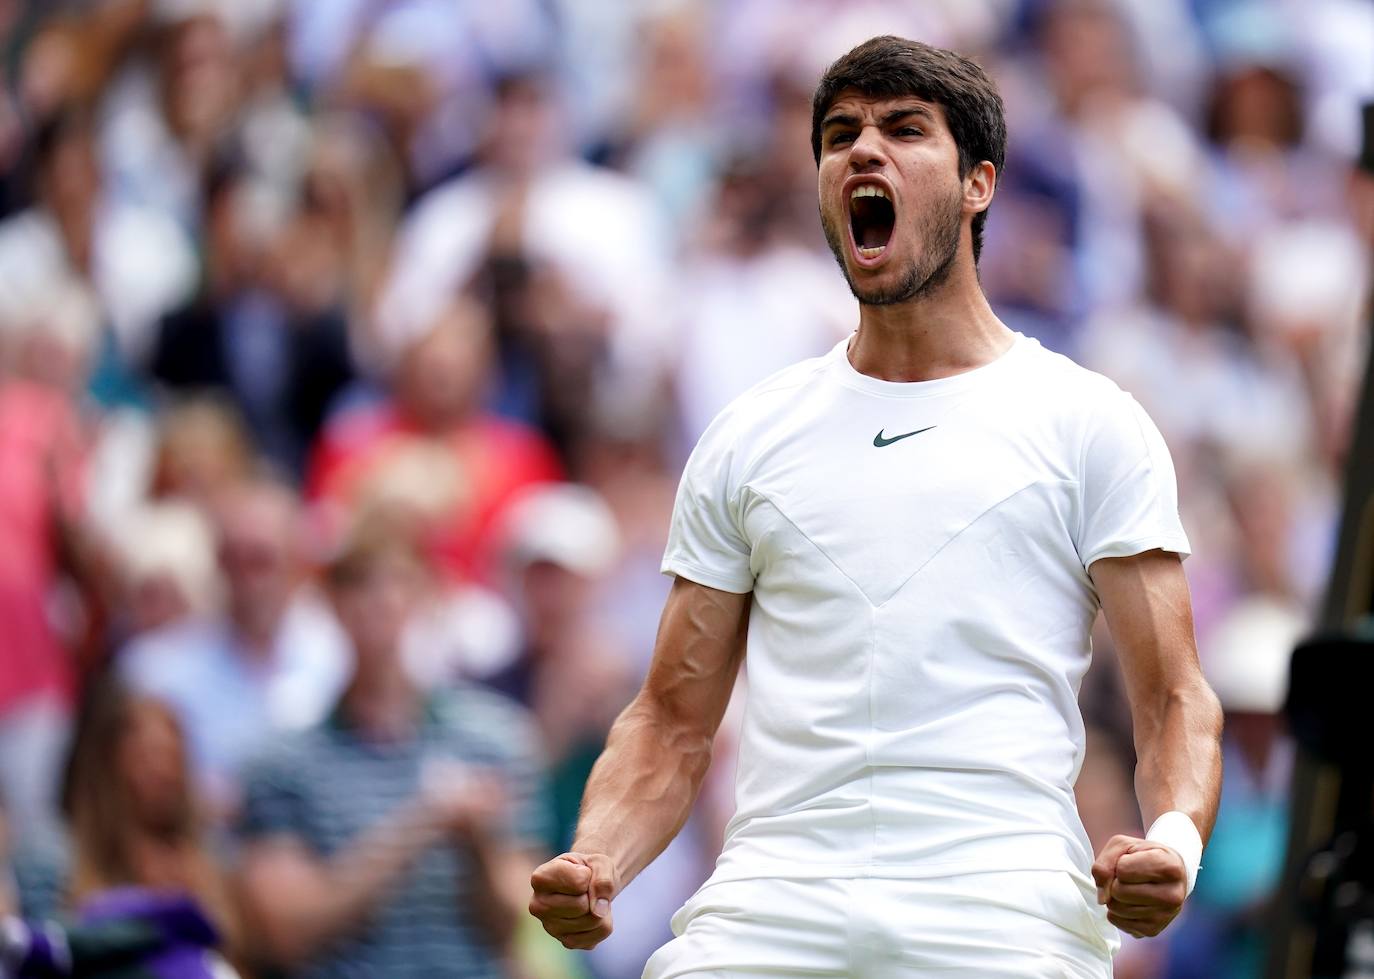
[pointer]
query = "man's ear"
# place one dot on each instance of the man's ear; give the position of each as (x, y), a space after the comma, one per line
(979, 186)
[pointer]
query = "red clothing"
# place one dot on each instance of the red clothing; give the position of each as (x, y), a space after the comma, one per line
(40, 482)
(495, 459)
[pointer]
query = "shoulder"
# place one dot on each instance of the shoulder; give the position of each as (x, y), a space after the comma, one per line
(441, 202)
(760, 404)
(288, 758)
(1081, 403)
(1073, 383)
(485, 719)
(168, 657)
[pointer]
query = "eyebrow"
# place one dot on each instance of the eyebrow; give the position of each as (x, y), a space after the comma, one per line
(845, 119)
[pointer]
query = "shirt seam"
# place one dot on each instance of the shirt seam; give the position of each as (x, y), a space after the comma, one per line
(746, 583)
(1157, 539)
(822, 551)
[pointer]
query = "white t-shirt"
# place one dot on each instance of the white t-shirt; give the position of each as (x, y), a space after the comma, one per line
(917, 554)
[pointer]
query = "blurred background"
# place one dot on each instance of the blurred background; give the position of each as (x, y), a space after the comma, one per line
(350, 351)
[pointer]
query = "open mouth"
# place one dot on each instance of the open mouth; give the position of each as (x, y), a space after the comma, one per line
(871, 217)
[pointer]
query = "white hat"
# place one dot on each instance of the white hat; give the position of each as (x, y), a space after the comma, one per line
(1246, 658)
(565, 524)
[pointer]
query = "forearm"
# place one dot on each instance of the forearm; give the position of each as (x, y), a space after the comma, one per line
(641, 789)
(338, 896)
(500, 886)
(1178, 756)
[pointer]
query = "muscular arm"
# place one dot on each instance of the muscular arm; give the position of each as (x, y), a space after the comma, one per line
(1176, 716)
(642, 788)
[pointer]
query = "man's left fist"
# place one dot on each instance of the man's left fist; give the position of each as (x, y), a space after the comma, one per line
(1143, 884)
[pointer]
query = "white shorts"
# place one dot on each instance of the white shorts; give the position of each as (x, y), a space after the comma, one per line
(1036, 924)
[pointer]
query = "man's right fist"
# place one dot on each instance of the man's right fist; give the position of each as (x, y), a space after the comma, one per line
(572, 898)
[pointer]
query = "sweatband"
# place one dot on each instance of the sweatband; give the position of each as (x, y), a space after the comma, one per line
(1176, 830)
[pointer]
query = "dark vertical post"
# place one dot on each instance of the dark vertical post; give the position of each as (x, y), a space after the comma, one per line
(1327, 888)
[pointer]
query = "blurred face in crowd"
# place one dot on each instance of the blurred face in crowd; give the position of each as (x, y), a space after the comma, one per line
(1087, 52)
(151, 764)
(891, 199)
(201, 449)
(376, 601)
(1256, 107)
(257, 555)
(553, 598)
(199, 81)
(156, 600)
(440, 376)
(1192, 274)
(69, 181)
(520, 131)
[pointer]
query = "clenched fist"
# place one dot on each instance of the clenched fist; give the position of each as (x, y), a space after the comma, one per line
(572, 898)
(1143, 884)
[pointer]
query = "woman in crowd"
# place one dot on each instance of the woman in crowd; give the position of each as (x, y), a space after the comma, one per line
(135, 847)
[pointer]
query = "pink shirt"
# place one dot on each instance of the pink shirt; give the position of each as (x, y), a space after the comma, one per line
(40, 482)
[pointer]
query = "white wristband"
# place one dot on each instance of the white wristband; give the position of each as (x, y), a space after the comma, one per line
(1176, 830)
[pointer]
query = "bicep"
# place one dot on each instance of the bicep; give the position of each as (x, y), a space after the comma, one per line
(1149, 612)
(698, 652)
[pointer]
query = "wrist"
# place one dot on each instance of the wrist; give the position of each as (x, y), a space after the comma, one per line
(1177, 831)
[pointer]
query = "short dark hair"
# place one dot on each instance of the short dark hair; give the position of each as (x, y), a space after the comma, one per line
(892, 67)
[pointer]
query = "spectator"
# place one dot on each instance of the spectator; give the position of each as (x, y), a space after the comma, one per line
(42, 457)
(135, 841)
(274, 660)
(166, 120)
(132, 817)
(478, 463)
(136, 262)
(397, 837)
(279, 359)
(598, 230)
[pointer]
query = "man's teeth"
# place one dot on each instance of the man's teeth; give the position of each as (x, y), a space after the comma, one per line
(873, 252)
(867, 190)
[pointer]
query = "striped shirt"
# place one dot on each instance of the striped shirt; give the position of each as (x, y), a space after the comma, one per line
(327, 785)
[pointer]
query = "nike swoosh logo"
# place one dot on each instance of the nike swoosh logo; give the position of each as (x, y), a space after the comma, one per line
(879, 441)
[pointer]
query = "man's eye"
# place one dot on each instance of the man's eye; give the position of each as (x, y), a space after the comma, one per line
(908, 131)
(840, 138)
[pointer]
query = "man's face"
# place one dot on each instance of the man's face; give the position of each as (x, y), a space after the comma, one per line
(891, 196)
(256, 528)
(375, 609)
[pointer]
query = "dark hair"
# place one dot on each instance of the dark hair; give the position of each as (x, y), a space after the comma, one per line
(892, 67)
(1284, 90)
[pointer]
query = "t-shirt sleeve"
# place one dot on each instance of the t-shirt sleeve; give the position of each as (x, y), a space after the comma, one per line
(1129, 490)
(705, 541)
(274, 803)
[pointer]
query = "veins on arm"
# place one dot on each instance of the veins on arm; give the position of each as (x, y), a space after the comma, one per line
(1175, 714)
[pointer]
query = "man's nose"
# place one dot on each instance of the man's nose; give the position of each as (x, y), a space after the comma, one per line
(866, 152)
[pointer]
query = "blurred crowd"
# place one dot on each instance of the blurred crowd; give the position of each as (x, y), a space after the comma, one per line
(350, 351)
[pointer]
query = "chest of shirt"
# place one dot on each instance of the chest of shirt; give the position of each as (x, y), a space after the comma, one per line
(876, 487)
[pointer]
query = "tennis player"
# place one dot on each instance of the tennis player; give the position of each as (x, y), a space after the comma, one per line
(910, 536)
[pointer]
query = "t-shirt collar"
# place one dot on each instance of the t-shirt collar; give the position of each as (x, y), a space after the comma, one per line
(844, 371)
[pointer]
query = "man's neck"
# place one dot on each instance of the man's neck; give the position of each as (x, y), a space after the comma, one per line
(383, 703)
(949, 331)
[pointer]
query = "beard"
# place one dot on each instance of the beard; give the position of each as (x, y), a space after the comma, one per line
(938, 236)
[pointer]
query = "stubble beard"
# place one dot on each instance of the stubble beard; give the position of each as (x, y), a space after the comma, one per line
(938, 234)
